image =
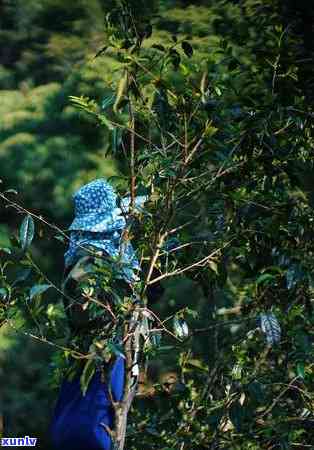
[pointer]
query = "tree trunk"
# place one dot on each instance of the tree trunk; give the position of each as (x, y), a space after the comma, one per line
(131, 347)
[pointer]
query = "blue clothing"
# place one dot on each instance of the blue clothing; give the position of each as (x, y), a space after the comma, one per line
(77, 420)
(95, 206)
(100, 223)
(126, 260)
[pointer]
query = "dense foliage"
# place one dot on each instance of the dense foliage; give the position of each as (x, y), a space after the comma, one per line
(208, 109)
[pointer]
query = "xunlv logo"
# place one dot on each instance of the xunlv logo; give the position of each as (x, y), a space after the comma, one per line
(19, 442)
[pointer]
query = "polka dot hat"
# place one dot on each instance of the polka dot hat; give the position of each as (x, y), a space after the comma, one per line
(96, 208)
(99, 223)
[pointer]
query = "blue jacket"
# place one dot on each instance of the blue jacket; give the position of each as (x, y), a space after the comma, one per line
(77, 421)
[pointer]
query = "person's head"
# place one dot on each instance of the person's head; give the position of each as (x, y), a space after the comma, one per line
(96, 210)
(98, 225)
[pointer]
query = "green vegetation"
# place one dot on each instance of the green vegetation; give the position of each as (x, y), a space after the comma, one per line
(208, 108)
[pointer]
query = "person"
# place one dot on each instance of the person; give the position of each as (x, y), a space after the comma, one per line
(101, 268)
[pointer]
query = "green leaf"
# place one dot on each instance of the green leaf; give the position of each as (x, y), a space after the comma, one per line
(22, 275)
(185, 70)
(234, 64)
(198, 364)
(213, 266)
(187, 48)
(223, 43)
(300, 370)
(293, 275)
(237, 372)
(175, 58)
(87, 375)
(148, 30)
(159, 47)
(215, 418)
(79, 101)
(60, 238)
(3, 293)
(107, 101)
(265, 277)
(236, 414)
(218, 91)
(104, 121)
(181, 329)
(27, 230)
(116, 349)
(121, 91)
(6, 250)
(84, 103)
(38, 289)
(191, 312)
(256, 392)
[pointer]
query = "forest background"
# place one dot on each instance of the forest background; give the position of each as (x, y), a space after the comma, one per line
(263, 51)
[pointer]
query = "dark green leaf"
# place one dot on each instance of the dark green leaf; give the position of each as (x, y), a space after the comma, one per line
(224, 43)
(3, 293)
(126, 44)
(293, 275)
(38, 289)
(159, 47)
(233, 64)
(27, 230)
(87, 375)
(60, 238)
(237, 415)
(116, 349)
(215, 418)
(148, 31)
(107, 101)
(22, 275)
(187, 48)
(175, 59)
(256, 392)
(300, 370)
(123, 103)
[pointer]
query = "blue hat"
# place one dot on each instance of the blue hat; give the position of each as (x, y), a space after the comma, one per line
(99, 223)
(96, 208)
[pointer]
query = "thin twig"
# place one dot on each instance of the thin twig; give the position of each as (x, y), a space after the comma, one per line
(201, 263)
(276, 400)
(74, 353)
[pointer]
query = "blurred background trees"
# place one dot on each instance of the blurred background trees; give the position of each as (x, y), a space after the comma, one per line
(258, 56)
